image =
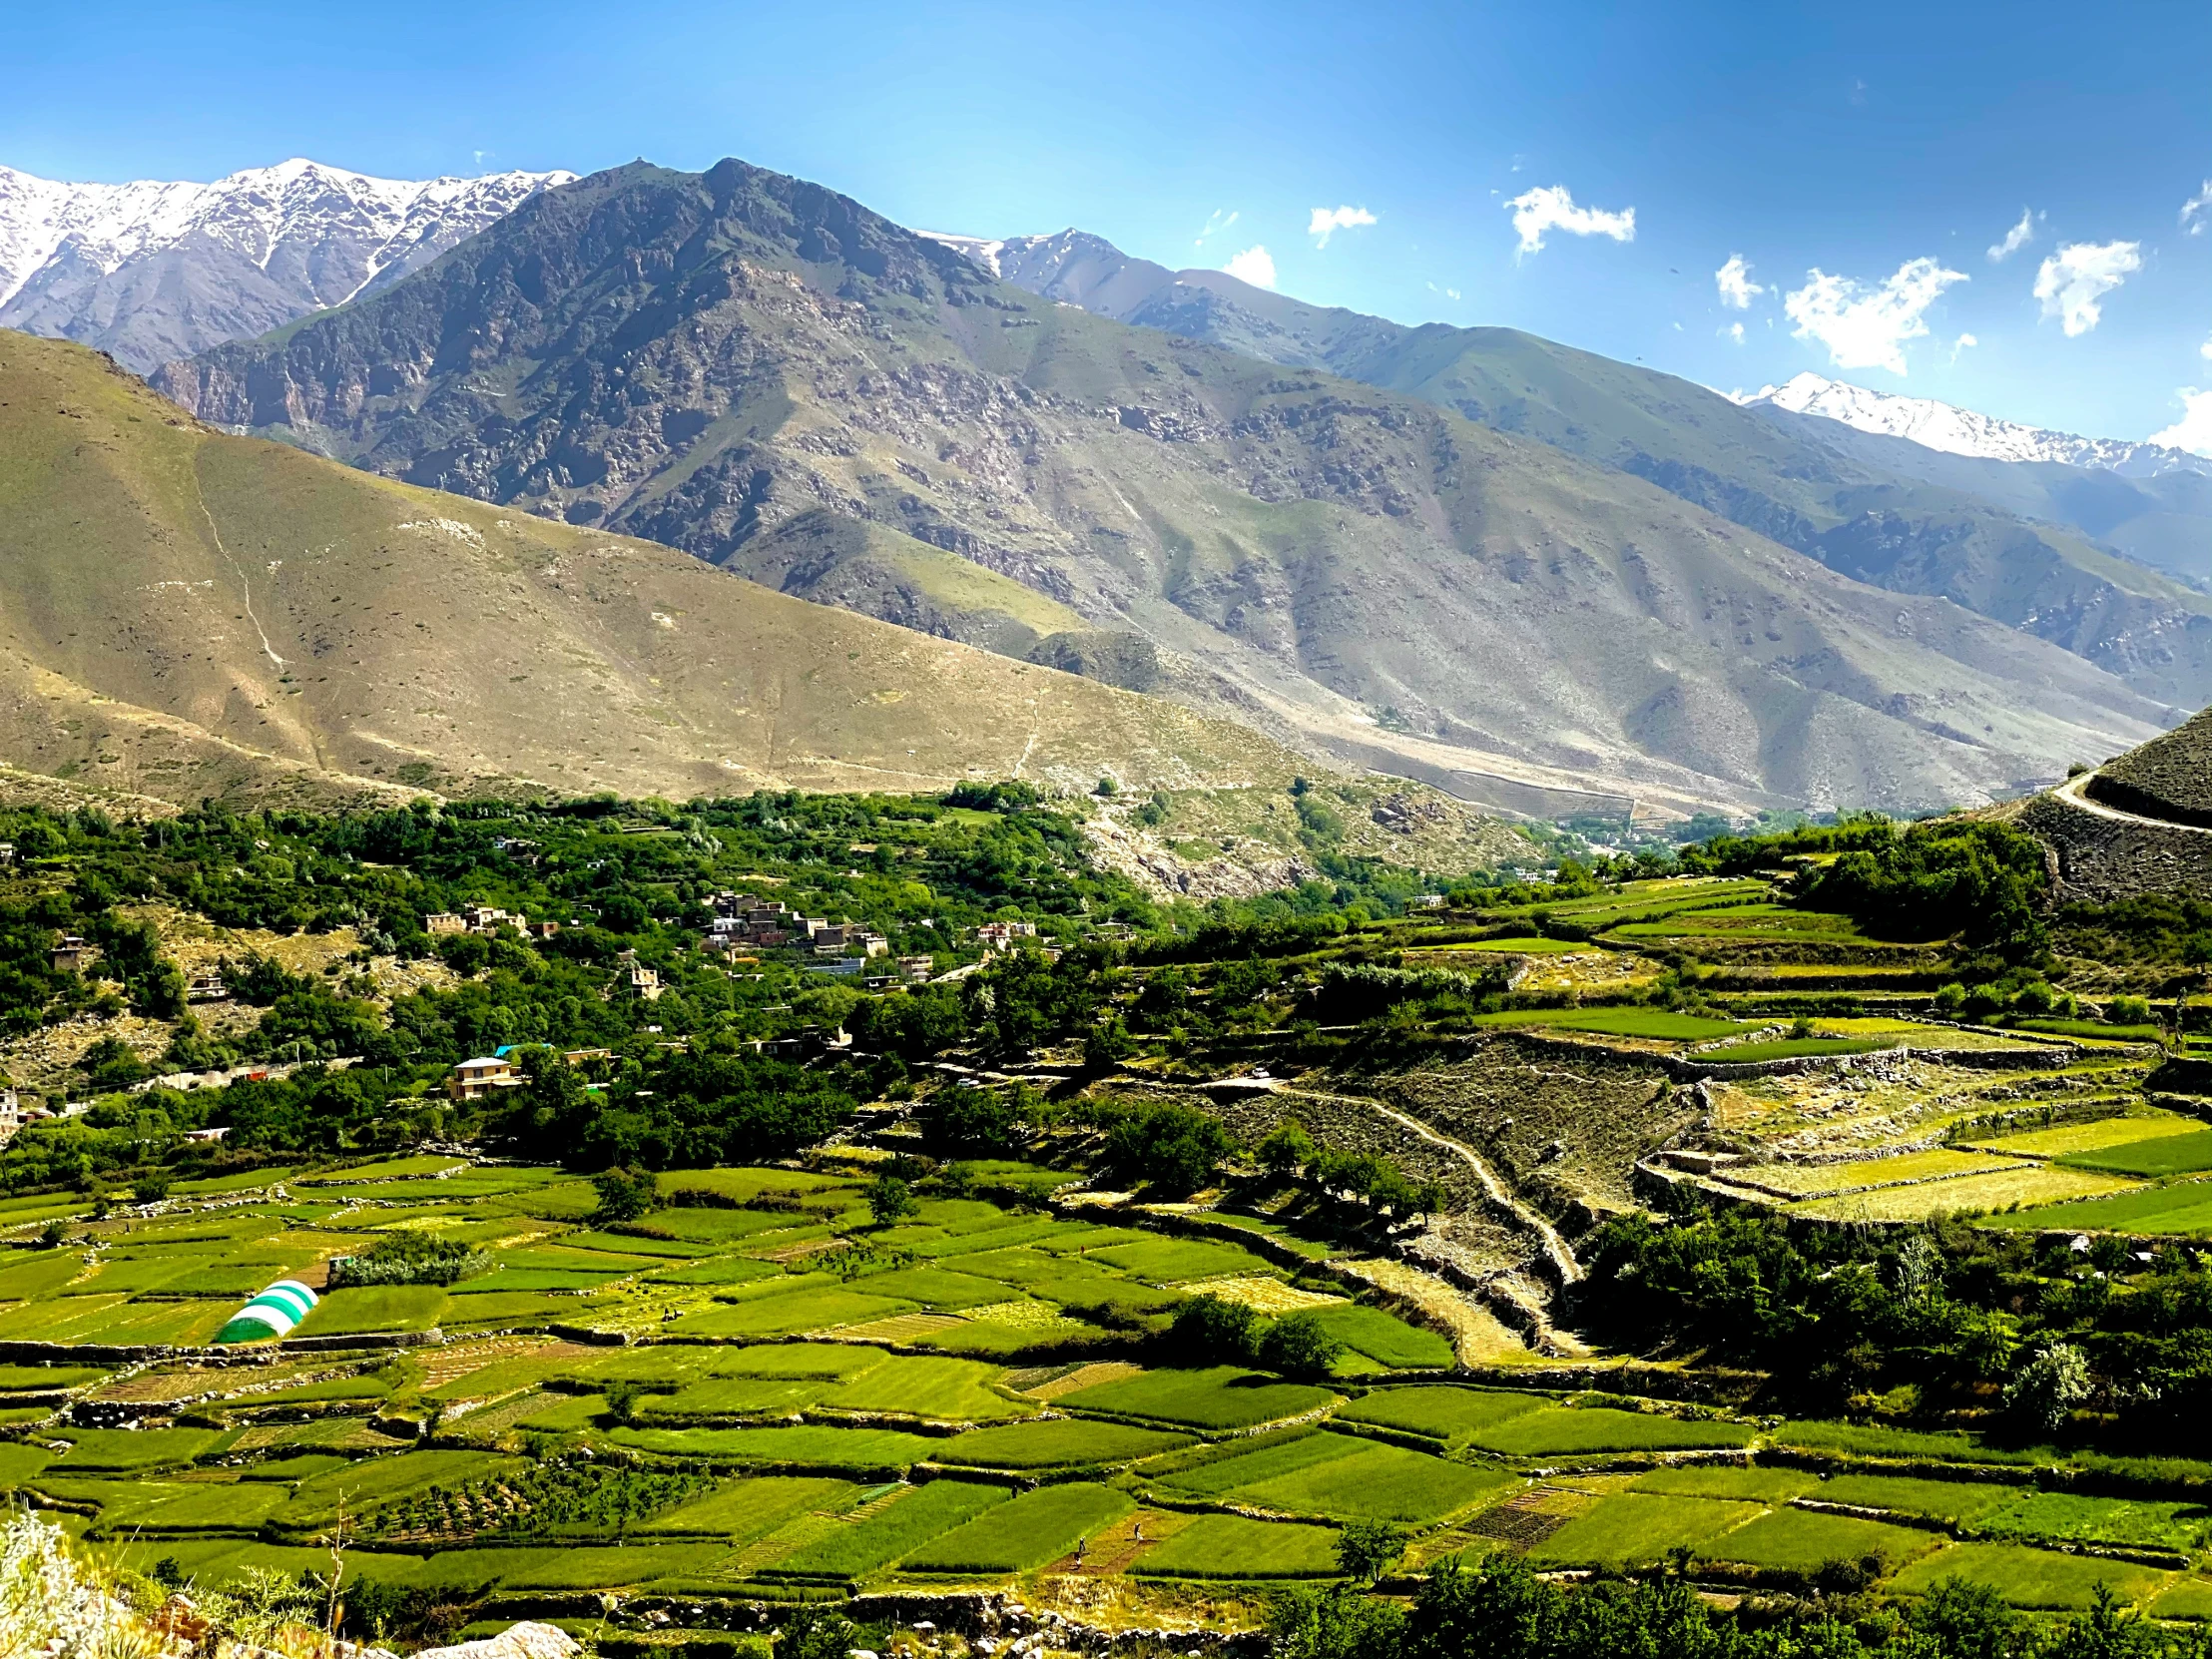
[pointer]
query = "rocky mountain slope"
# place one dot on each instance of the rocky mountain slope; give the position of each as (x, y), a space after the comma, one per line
(2041, 535)
(1957, 432)
(148, 271)
(704, 359)
(185, 613)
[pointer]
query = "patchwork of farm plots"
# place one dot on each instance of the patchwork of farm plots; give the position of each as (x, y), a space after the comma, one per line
(806, 1404)
(758, 1394)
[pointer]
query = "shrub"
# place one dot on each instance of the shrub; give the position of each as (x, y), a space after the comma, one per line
(890, 1200)
(410, 1258)
(1213, 1330)
(1299, 1345)
(624, 1195)
(1368, 1550)
(1175, 1148)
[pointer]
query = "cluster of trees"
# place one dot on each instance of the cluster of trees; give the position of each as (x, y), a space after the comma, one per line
(1289, 1151)
(1949, 1315)
(1214, 1331)
(410, 1257)
(1498, 1608)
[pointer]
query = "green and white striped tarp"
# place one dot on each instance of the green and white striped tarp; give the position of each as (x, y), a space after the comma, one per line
(271, 1314)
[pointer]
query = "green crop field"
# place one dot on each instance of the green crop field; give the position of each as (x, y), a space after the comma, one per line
(805, 1447)
(787, 1311)
(1537, 946)
(1366, 1480)
(1224, 1396)
(1035, 1528)
(1803, 1539)
(1731, 1481)
(1169, 1261)
(1235, 1547)
(1443, 1414)
(1790, 1048)
(1956, 1502)
(2159, 1155)
(1558, 1431)
(374, 1308)
(1632, 1527)
(1878, 1440)
(2037, 1578)
(2183, 1208)
(1058, 1443)
(132, 1450)
(904, 1524)
(1621, 1022)
(2068, 1518)
(1385, 1340)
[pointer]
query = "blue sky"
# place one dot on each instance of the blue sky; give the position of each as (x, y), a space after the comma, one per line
(1857, 141)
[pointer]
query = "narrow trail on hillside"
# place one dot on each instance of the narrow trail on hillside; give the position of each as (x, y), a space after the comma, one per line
(1555, 1248)
(2071, 792)
(246, 588)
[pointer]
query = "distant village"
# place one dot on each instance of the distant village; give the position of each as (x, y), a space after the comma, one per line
(738, 927)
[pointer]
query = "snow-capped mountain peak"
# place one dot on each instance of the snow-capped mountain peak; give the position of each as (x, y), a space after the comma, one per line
(152, 270)
(1957, 432)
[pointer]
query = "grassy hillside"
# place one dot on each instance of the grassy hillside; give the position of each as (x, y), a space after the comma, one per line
(2038, 536)
(185, 613)
(708, 359)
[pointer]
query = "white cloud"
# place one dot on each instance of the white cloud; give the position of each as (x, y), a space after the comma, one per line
(1551, 208)
(1960, 344)
(1734, 281)
(2205, 350)
(1448, 294)
(1734, 332)
(1328, 220)
(1255, 266)
(1866, 326)
(2015, 238)
(2196, 213)
(2193, 431)
(1216, 223)
(2080, 273)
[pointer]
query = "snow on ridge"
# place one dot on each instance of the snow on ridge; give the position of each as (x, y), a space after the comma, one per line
(1955, 432)
(253, 211)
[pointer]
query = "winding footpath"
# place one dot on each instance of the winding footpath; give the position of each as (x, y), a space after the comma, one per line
(2071, 792)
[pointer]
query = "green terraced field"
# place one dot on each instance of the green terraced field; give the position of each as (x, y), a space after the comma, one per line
(1058, 1443)
(1728, 1480)
(2183, 1208)
(819, 1507)
(1358, 1481)
(1234, 1548)
(1558, 1431)
(1803, 1539)
(1621, 1022)
(1224, 1396)
(1958, 1502)
(2160, 1155)
(1385, 1340)
(1633, 1528)
(1035, 1528)
(902, 1526)
(1445, 1413)
(2036, 1579)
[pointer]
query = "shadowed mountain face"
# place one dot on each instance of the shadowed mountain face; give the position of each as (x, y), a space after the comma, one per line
(2029, 544)
(187, 613)
(733, 362)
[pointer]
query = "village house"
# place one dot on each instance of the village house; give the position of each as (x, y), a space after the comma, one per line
(916, 969)
(474, 1080)
(1000, 935)
(73, 956)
